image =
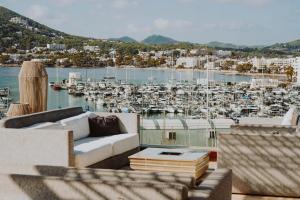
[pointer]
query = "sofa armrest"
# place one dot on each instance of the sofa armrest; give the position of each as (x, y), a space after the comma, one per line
(129, 122)
(36, 147)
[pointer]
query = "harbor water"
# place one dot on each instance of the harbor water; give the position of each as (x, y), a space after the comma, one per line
(60, 99)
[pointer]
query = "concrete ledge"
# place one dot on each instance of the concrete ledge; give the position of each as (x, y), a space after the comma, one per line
(262, 164)
(217, 186)
(28, 187)
(101, 174)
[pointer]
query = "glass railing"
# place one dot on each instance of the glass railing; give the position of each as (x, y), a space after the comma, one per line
(179, 132)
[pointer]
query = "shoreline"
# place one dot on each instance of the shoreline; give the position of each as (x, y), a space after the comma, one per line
(225, 72)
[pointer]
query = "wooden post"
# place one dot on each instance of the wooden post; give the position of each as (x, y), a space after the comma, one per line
(18, 109)
(33, 86)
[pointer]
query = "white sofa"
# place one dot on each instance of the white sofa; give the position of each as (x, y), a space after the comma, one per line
(76, 148)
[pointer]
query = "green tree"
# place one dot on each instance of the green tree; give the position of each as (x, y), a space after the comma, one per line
(290, 72)
(4, 58)
(246, 67)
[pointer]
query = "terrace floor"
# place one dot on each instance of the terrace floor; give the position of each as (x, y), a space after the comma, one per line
(247, 197)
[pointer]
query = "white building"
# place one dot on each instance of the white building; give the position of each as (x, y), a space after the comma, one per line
(297, 67)
(195, 52)
(91, 48)
(55, 46)
(14, 57)
(267, 62)
(74, 77)
(19, 20)
(222, 53)
(264, 82)
(43, 60)
(189, 62)
(209, 65)
(72, 51)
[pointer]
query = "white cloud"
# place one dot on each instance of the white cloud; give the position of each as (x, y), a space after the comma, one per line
(163, 24)
(123, 3)
(182, 23)
(38, 12)
(63, 3)
(131, 28)
(256, 3)
(185, 1)
(41, 14)
(228, 26)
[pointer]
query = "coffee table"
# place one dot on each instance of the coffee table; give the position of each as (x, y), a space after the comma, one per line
(171, 160)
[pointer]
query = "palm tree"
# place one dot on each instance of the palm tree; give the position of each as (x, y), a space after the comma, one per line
(290, 72)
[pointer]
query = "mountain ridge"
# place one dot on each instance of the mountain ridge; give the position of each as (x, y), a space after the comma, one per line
(37, 34)
(156, 39)
(126, 39)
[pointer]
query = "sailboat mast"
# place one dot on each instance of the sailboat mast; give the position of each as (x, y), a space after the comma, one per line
(207, 98)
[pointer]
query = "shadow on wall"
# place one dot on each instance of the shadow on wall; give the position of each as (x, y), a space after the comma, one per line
(262, 164)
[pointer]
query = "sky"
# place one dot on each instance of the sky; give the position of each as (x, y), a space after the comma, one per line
(247, 22)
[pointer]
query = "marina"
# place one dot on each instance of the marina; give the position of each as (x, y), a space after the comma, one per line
(185, 99)
(5, 100)
(164, 94)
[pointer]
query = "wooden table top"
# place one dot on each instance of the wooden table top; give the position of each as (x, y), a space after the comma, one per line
(169, 154)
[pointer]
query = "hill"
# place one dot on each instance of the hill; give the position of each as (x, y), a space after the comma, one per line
(159, 39)
(216, 44)
(124, 39)
(25, 33)
(288, 46)
(221, 45)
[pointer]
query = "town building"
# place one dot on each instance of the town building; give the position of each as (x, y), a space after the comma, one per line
(222, 53)
(19, 20)
(57, 47)
(91, 48)
(190, 62)
(267, 62)
(264, 83)
(297, 67)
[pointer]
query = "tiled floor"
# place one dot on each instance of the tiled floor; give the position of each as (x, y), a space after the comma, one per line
(246, 197)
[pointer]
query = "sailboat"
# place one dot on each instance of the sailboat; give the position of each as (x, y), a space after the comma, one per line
(56, 85)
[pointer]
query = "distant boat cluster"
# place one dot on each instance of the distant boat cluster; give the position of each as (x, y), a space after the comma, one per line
(189, 99)
(5, 100)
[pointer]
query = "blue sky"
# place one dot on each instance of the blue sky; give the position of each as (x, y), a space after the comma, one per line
(249, 22)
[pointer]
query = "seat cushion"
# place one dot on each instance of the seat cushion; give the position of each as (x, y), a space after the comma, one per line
(123, 142)
(91, 150)
(78, 124)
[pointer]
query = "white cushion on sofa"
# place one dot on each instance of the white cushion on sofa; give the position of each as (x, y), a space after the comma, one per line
(78, 124)
(122, 142)
(91, 150)
(39, 125)
(46, 125)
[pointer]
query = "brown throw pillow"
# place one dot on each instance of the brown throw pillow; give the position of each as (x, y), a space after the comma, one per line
(104, 126)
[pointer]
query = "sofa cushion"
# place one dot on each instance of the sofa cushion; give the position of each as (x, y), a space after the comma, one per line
(91, 150)
(122, 143)
(46, 125)
(104, 126)
(78, 124)
(40, 125)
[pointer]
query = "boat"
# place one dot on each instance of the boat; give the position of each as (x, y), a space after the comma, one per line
(57, 87)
